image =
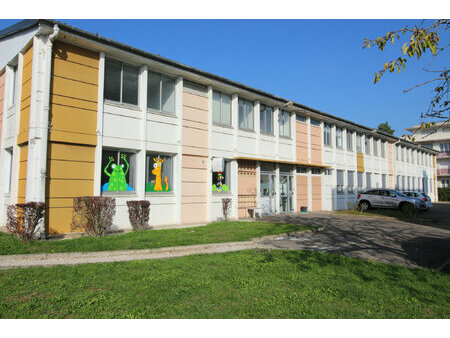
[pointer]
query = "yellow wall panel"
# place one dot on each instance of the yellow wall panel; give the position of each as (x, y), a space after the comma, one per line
(60, 220)
(72, 102)
(28, 56)
(360, 162)
(74, 89)
(76, 71)
(71, 152)
(70, 170)
(73, 119)
(75, 54)
(69, 188)
(63, 136)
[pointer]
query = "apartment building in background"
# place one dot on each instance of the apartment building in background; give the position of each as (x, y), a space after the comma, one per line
(436, 137)
(82, 115)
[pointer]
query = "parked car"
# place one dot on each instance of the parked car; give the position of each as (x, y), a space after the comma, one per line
(421, 196)
(387, 198)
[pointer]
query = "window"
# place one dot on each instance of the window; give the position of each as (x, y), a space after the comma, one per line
(8, 166)
(350, 182)
(161, 93)
(368, 180)
(358, 143)
(407, 155)
(221, 179)
(383, 149)
(221, 108)
(285, 123)
(158, 174)
(397, 151)
(375, 147)
(383, 180)
(12, 97)
(403, 186)
(121, 82)
(328, 172)
(349, 140)
(403, 154)
(315, 171)
(301, 170)
(118, 173)
(360, 181)
(315, 122)
(367, 144)
(327, 134)
(397, 184)
(338, 137)
(245, 114)
(340, 181)
(300, 118)
(266, 119)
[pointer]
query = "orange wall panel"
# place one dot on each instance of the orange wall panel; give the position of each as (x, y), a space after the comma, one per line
(302, 191)
(316, 145)
(302, 141)
(247, 182)
(316, 192)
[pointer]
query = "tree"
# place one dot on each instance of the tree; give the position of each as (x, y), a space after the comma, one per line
(386, 128)
(420, 39)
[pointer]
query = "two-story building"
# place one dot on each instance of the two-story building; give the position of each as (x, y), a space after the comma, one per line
(82, 115)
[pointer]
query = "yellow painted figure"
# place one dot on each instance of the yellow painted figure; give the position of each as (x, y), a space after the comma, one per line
(157, 172)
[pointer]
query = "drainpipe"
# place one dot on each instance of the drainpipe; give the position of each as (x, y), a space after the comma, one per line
(45, 125)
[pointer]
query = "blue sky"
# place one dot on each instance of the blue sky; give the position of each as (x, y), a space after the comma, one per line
(319, 63)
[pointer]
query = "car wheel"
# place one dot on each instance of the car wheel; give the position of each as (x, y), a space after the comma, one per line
(364, 206)
(406, 207)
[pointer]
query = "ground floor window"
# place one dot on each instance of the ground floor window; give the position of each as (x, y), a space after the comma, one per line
(118, 171)
(159, 173)
(360, 181)
(221, 176)
(340, 181)
(351, 181)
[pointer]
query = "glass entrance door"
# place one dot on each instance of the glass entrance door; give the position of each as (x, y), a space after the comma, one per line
(267, 193)
(286, 193)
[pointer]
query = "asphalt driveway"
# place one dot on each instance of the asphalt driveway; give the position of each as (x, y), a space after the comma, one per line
(383, 239)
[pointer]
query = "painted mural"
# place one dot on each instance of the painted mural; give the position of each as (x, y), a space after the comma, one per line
(156, 181)
(117, 177)
(219, 185)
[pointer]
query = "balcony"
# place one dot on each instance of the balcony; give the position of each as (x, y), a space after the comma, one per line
(443, 154)
(443, 172)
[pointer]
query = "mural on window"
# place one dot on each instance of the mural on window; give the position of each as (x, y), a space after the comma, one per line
(159, 173)
(220, 175)
(116, 173)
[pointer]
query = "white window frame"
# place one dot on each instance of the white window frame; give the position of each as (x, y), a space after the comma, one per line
(161, 77)
(221, 113)
(122, 64)
(286, 118)
(248, 117)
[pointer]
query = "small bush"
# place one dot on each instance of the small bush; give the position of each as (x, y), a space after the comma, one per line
(139, 214)
(444, 194)
(23, 219)
(226, 204)
(93, 214)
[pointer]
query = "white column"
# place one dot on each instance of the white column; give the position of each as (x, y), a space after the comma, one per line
(309, 183)
(256, 119)
(209, 204)
(141, 155)
(99, 131)
(235, 121)
(178, 163)
(277, 188)
(234, 189)
(276, 130)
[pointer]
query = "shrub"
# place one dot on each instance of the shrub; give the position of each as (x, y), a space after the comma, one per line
(226, 204)
(93, 214)
(139, 214)
(23, 219)
(444, 194)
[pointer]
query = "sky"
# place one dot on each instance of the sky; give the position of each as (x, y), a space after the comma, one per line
(318, 63)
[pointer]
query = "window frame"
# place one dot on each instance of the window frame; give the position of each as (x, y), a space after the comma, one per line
(12, 97)
(350, 187)
(170, 180)
(375, 146)
(221, 123)
(340, 187)
(367, 145)
(349, 140)
(339, 137)
(227, 182)
(246, 103)
(120, 102)
(327, 134)
(359, 143)
(265, 112)
(285, 116)
(160, 110)
(132, 178)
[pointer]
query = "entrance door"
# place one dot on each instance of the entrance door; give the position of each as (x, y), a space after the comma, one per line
(267, 193)
(286, 193)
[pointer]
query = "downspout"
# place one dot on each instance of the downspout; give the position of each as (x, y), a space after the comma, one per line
(45, 125)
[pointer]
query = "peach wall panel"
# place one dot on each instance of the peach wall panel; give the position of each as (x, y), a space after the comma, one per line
(302, 191)
(316, 192)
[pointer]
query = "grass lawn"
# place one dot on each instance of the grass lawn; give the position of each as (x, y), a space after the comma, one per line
(245, 284)
(149, 239)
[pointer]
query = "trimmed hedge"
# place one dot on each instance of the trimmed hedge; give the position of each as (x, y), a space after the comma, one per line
(444, 194)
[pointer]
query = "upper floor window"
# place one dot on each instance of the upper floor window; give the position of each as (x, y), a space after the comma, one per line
(121, 82)
(284, 120)
(300, 118)
(327, 134)
(221, 108)
(12, 97)
(245, 114)
(402, 153)
(367, 144)
(349, 141)
(161, 93)
(358, 142)
(383, 149)
(375, 147)
(315, 122)
(338, 137)
(266, 119)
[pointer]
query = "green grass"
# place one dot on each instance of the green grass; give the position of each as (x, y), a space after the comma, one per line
(246, 284)
(149, 239)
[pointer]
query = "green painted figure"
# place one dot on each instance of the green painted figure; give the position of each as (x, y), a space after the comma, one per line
(117, 179)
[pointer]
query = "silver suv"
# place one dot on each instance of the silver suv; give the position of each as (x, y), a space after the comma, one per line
(421, 196)
(386, 198)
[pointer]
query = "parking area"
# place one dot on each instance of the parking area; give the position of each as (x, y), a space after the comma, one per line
(424, 243)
